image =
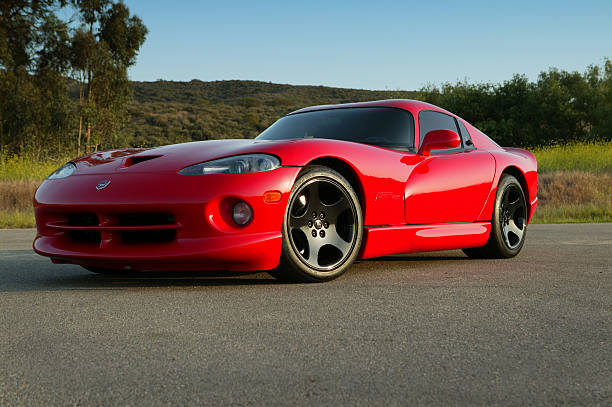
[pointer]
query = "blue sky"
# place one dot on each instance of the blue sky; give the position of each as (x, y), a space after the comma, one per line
(369, 44)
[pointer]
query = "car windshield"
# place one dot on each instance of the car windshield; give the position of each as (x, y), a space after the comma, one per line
(379, 126)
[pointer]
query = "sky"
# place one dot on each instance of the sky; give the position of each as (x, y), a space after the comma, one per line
(374, 44)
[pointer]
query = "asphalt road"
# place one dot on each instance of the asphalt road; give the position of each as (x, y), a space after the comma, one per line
(435, 329)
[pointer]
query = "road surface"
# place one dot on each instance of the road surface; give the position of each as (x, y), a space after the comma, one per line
(433, 329)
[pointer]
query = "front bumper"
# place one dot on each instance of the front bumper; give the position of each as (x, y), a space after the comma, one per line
(119, 227)
(532, 207)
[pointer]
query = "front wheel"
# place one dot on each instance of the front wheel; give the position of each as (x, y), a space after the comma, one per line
(509, 222)
(322, 228)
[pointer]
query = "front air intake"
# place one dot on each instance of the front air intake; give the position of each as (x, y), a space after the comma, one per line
(103, 229)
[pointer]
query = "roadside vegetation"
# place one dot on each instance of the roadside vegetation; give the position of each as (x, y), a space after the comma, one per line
(574, 184)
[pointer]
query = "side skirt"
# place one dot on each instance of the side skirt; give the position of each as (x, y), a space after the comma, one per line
(386, 240)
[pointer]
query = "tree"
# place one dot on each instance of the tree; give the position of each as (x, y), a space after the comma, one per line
(34, 108)
(103, 47)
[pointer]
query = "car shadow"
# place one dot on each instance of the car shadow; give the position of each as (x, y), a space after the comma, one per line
(453, 255)
(24, 271)
(54, 281)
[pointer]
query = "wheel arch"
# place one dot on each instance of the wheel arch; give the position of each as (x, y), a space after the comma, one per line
(518, 174)
(347, 171)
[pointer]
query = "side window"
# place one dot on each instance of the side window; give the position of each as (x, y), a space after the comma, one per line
(430, 120)
(465, 136)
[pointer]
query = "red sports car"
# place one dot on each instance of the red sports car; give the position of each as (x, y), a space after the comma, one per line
(321, 187)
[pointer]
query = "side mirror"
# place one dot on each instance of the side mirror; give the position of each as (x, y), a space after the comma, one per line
(438, 140)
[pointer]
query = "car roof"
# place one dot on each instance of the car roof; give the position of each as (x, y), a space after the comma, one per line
(407, 104)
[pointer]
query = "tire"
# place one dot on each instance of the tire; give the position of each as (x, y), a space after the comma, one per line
(509, 222)
(322, 228)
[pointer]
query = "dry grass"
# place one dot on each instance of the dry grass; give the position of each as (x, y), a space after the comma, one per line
(16, 203)
(574, 187)
(574, 196)
(17, 195)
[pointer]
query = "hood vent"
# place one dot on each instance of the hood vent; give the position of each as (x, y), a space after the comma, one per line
(133, 160)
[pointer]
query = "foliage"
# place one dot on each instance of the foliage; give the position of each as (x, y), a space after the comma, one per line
(559, 107)
(27, 166)
(165, 112)
(42, 56)
(591, 157)
(34, 108)
(64, 90)
(102, 49)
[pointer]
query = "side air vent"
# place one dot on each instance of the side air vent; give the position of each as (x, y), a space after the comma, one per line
(133, 160)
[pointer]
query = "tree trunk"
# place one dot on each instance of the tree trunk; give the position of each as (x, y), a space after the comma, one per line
(88, 137)
(80, 116)
(80, 131)
(89, 79)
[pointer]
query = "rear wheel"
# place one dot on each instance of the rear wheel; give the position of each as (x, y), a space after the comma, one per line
(322, 228)
(509, 223)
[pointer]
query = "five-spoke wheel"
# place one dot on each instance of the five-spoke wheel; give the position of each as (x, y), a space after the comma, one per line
(322, 229)
(513, 216)
(509, 222)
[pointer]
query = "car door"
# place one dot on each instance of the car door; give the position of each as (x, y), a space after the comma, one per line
(448, 185)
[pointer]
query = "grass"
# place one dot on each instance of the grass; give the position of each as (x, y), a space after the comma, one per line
(574, 196)
(590, 157)
(583, 213)
(28, 167)
(16, 203)
(17, 219)
(17, 194)
(574, 184)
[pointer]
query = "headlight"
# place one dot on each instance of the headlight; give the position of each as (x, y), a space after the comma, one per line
(63, 172)
(234, 165)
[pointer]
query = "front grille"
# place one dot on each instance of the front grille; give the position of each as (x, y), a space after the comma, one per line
(84, 235)
(118, 228)
(83, 219)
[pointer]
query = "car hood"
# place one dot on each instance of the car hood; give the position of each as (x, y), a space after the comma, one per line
(172, 158)
(169, 158)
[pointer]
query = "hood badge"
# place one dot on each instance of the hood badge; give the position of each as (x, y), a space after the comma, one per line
(102, 184)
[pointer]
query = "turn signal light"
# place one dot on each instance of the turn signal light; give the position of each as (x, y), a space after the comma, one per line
(272, 196)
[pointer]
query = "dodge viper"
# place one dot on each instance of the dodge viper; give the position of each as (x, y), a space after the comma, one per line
(321, 187)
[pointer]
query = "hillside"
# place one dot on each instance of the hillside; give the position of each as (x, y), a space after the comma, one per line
(165, 112)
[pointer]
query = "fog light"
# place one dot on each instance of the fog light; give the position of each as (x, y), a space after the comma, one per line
(242, 213)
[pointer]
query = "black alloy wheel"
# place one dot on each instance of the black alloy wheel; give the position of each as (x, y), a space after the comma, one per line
(509, 222)
(513, 216)
(322, 228)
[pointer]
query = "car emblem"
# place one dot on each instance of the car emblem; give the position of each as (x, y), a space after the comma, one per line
(102, 184)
